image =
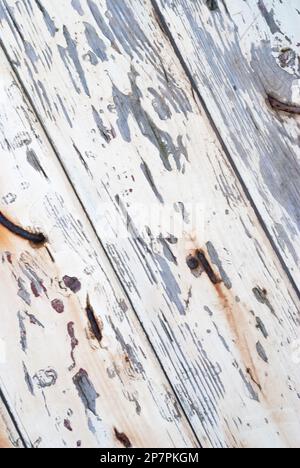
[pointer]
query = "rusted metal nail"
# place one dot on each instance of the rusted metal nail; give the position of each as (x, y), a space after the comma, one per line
(281, 106)
(207, 268)
(37, 238)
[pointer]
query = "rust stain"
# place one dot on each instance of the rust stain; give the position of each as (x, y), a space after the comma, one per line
(4, 442)
(234, 316)
(7, 241)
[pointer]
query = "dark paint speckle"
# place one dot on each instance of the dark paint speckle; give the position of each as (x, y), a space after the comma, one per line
(74, 342)
(72, 283)
(192, 263)
(67, 425)
(58, 306)
(34, 289)
(122, 438)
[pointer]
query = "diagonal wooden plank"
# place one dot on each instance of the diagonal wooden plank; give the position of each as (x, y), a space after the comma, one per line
(243, 59)
(78, 370)
(9, 436)
(133, 139)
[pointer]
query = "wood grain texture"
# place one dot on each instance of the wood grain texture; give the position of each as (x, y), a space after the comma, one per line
(9, 437)
(243, 58)
(133, 138)
(78, 370)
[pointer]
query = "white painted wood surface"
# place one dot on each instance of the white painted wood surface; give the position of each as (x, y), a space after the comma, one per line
(122, 119)
(77, 369)
(238, 55)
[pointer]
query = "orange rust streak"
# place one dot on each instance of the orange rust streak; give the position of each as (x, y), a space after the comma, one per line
(7, 239)
(234, 317)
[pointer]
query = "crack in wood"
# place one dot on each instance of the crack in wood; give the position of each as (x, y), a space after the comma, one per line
(95, 328)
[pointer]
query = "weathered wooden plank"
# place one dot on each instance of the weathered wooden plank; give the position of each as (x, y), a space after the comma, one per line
(9, 437)
(78, 369)
(243, 58)
(133, 138)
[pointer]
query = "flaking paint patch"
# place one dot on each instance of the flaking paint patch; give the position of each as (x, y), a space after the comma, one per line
(70, 52)
(23, 333)
(28, 380)
(31, 54)
(252, 393)
(261, 326)
(269, 17)
(167, 251)
(94, 41)
(58, 305)
(285, 241)
(216, 261)
(77, 7)
(131, 104)
(74, 343)
(86, 390)
(106, 134)
(170, 284)
(147, 173)
(23, 293)
(128, 350)
(47, 18)
(101, 23)
(34, 162)
(64, 111)
(160, 105)
(261, 352)
(45, 378)
(33, 320)
(262, 297)
(72, 283)
(36, 283)
(121, 20)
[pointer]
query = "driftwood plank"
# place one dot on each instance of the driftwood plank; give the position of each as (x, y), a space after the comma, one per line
(134, 140)
(78, 369)
(243, 58)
